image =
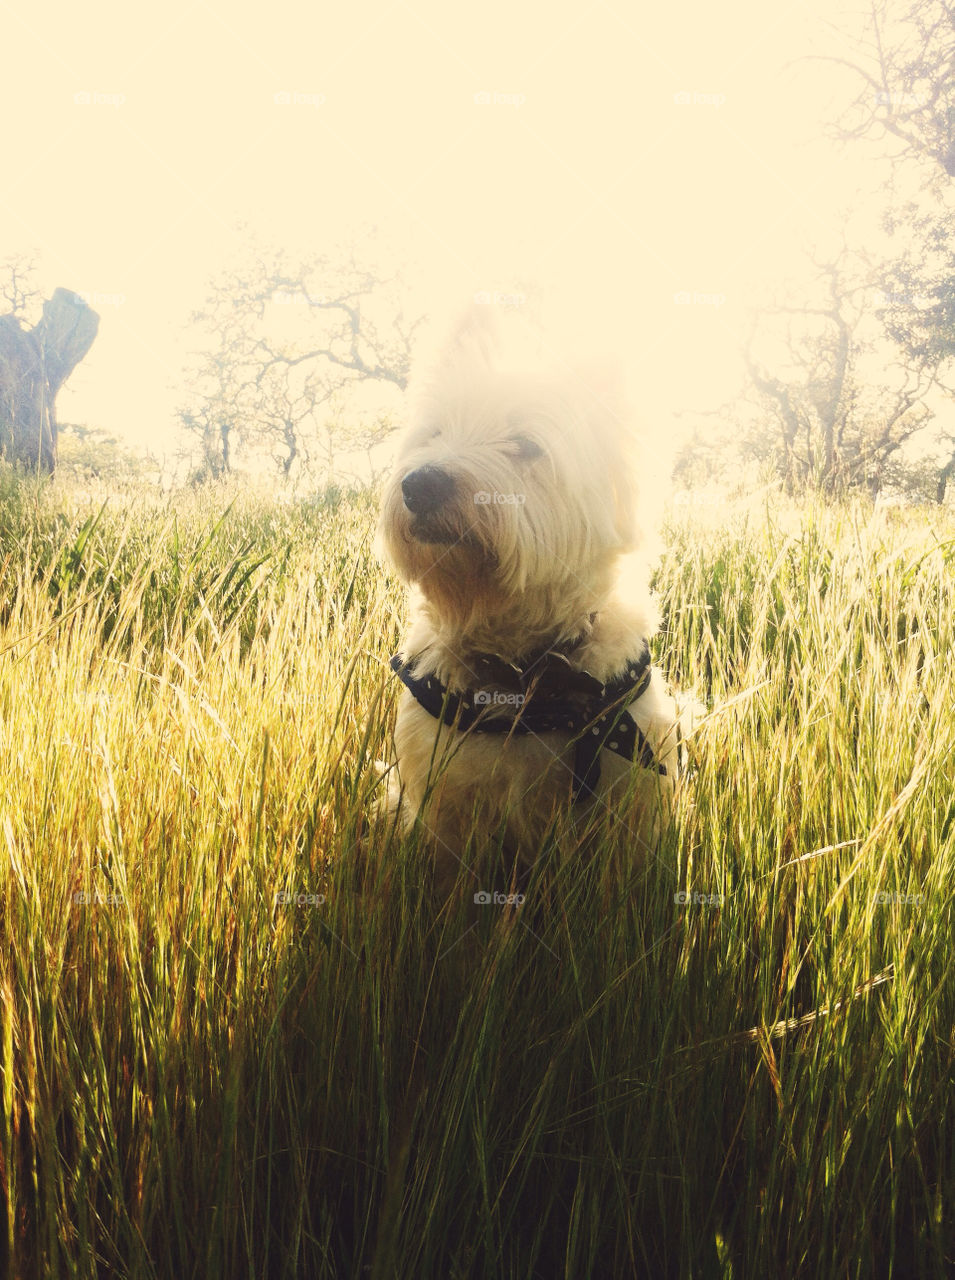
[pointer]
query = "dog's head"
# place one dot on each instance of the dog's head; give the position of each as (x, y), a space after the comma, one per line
(509, 481)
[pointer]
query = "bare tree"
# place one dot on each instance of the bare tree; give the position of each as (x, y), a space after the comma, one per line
(287, 340)
(18, 287)
(904, 70)
(834, 403)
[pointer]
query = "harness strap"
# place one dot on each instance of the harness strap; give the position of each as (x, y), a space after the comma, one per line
(546, 695)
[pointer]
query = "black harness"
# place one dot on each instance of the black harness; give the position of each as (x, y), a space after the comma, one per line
(545, 694)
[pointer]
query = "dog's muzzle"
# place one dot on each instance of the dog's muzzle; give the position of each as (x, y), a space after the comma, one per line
(426, 490)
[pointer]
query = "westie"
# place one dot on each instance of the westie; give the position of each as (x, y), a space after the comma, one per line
(530, 703)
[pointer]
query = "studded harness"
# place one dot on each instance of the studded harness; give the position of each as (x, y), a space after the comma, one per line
(544, 694)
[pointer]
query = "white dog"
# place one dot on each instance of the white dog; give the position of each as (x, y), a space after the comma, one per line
(530, 704)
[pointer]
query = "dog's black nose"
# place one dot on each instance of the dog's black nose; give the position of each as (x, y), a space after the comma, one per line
(426, 489)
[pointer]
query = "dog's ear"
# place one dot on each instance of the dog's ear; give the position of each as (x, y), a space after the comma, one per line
(625, 509)
(605, 388)
(474, 336)
(467, 347)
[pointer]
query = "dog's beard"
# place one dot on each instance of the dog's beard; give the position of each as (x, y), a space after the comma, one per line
(456, 573)
(438, 531)
(445, 545)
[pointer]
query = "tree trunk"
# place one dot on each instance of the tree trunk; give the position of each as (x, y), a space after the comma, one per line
(946, 474)
(34, 364)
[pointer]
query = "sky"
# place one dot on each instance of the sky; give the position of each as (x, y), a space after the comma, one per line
(651, 170)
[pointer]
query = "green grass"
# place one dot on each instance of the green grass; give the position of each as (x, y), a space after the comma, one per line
(202, 1078)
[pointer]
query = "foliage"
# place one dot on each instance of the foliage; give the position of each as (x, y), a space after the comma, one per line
(829, 404)
(829, 421)
(840, 414)
(90, 455)
(903, 67)
(919, 310)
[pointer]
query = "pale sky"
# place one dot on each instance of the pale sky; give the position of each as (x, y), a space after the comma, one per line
(650, 168)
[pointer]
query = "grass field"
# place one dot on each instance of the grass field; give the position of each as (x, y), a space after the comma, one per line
(240, 1040)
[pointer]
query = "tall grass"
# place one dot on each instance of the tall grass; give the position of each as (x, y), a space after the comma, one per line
(240, 1039)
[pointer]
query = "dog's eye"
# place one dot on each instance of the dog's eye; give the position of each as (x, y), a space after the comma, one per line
(526, 448)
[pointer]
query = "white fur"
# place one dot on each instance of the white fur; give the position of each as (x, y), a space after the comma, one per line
(525, 571)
